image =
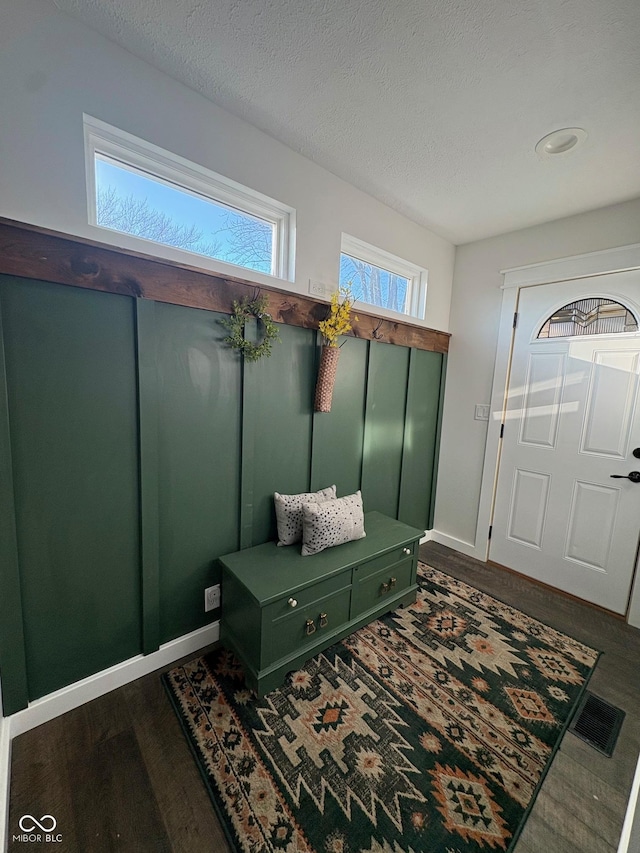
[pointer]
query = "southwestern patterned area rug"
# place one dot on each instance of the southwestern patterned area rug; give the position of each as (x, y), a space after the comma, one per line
(428, 731)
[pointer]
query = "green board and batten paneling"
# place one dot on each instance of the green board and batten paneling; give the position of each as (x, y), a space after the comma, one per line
(13, 664)
(384, 427)
(70, 365)
(148, 467)
(198, 389)
(338, 434)
(277, 420)
(420, 432)
(136, 448)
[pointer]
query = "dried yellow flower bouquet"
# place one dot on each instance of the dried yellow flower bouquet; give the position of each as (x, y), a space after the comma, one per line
(339, 320)
(337, 323)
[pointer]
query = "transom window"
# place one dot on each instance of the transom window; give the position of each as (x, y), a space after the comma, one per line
(378, 278)
(596, 316)
(137, 189)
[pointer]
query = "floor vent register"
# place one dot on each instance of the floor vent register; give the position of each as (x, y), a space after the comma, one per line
(597, 723)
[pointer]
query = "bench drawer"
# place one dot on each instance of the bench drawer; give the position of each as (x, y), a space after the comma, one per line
(372, 591)
(307, 596)
(305, 626)
(402, 552)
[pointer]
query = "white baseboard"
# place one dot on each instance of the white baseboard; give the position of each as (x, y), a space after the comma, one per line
(68, 698)
(630, 837)
(460, 545)
(5, 777)
(427, 537)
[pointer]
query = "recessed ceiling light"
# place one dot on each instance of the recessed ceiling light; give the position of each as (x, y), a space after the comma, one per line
(561, 141)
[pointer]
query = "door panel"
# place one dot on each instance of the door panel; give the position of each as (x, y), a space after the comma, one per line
(570, 422)
(528, 507)
(539, 424)
(588, 543)
(611, 402)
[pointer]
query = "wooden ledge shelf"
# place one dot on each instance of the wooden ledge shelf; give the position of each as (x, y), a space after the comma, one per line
(38, 253)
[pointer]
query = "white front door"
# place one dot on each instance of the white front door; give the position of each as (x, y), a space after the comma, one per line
(572, 420)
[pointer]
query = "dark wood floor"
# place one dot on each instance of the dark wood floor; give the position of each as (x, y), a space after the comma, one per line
(118, 775)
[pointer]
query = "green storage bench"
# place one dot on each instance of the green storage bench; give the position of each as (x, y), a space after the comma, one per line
(280, 608)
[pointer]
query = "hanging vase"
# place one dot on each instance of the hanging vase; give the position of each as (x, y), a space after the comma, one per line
(326, 378)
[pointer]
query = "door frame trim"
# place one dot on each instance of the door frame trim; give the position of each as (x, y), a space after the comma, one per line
(605, 262)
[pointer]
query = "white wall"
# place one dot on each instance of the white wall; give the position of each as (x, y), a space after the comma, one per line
(53, 69)
(475, 313)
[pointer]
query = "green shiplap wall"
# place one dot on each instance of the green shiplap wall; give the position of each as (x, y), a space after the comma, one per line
(136, 448)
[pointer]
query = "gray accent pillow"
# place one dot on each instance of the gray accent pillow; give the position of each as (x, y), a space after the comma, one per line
(331, 523)
(289, 512)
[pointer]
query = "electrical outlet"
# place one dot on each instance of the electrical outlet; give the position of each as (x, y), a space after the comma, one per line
(318, 288)
(211, 598)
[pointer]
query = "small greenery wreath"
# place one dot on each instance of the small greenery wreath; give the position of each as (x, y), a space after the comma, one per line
(242, 311)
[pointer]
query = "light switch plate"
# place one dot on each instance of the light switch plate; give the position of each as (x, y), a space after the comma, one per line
(319, 288)
(482, 412)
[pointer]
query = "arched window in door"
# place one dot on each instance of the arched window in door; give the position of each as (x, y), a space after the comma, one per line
(596, 316)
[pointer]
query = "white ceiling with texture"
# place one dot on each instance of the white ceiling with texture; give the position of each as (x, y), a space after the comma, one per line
(432, 107)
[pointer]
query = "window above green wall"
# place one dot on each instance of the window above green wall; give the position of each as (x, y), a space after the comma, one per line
(381, 279)
(139, 190)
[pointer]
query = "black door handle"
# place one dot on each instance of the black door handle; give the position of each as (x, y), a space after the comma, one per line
(634, 476)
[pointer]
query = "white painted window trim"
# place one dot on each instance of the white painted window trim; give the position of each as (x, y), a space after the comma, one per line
(416, 301)
(619, 259)
(132, 152)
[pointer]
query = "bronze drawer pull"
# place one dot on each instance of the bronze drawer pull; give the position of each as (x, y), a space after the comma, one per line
(324, 620)
(384, 588)
(292, 602)
(392, 582)
(310, 627)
